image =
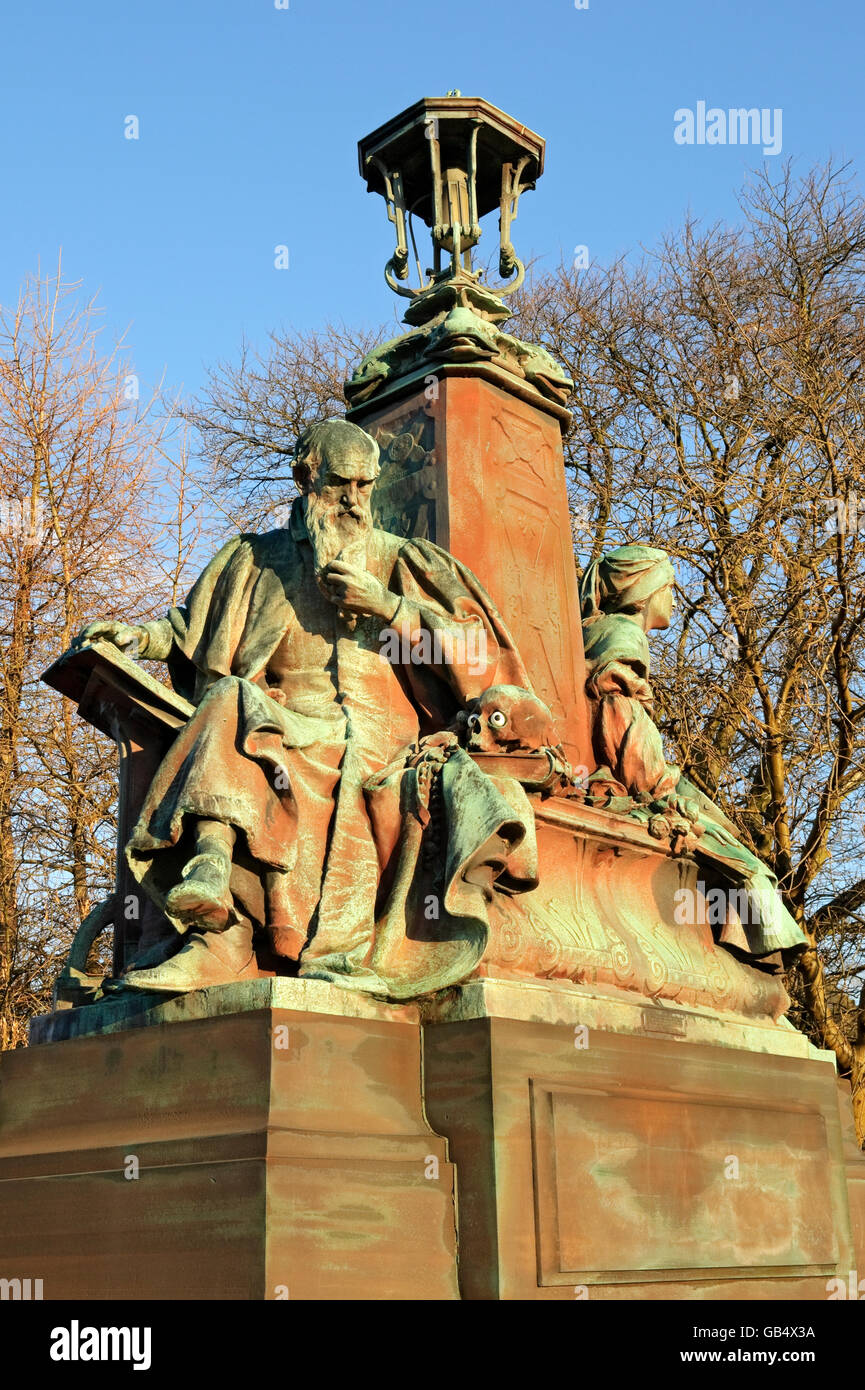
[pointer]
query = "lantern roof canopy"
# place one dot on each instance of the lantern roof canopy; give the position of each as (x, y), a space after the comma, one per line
(403, 143)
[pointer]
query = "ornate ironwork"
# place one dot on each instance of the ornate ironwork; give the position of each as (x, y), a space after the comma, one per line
(449, 161)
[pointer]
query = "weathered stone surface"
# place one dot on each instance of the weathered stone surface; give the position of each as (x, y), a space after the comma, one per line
(123, 1011)
(612, 1010)
(281, 1152)
(497, 472)
(591, 1131)
(637, 1166)
(854, 1161)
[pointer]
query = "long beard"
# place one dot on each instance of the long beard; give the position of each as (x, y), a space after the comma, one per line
(338, 535)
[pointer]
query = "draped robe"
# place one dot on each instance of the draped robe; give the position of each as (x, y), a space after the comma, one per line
(628, 743)
(337, 843)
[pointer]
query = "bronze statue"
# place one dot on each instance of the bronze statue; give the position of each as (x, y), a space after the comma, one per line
(320, 658)
(624, 595)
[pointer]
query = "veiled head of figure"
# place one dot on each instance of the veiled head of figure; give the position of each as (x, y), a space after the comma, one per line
(635, 581)
(506, 718)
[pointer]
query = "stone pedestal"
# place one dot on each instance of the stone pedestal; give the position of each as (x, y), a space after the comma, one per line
(264, 1141)
(855, 1170)
(473, 461)
(612, 1150)
(285, 1138)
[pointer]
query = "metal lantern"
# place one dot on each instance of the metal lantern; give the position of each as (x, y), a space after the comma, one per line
(448, 161)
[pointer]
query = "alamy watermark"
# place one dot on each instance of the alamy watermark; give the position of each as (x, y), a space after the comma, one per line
(20, 1290)
(851, 1288)
(699, 906)
(739, 125)
(846, 514)
(77, 1343)
(408, 646)
(22, 518)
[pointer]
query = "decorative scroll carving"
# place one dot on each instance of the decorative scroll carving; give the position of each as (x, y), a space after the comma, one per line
(605, 915)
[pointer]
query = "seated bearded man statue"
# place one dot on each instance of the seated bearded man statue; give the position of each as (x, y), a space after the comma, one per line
(297, 810)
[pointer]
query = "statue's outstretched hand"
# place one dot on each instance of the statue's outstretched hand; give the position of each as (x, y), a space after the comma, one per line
(127, 637)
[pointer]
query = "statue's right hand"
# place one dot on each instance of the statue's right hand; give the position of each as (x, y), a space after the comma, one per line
(127, 637)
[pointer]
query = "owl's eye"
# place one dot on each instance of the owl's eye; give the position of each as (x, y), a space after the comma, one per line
(497, 719)
(474, 721)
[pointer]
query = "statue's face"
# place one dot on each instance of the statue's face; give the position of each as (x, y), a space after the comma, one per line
(659, 609)
(346, 484)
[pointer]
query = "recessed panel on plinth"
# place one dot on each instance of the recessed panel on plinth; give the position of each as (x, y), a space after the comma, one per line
(653, 1185)
(598, 1158)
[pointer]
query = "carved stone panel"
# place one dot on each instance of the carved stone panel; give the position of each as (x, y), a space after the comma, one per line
(481, 472)
(642, 1183)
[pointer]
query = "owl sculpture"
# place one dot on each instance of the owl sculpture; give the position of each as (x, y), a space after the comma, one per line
(507, 730)
(508, 719)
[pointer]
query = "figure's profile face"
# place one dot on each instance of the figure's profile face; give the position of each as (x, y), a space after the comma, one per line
(345, 484)
(659, 609)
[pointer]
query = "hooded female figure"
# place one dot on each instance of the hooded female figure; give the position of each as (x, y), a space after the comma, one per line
(624, 595)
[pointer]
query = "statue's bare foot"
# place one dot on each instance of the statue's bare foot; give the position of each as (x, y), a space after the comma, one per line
(203, 898)
(207, 958)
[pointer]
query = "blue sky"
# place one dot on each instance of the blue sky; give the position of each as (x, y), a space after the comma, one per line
(249, 117)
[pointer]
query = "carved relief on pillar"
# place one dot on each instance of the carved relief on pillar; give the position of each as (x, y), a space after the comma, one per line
(481, 473)
(404, 500)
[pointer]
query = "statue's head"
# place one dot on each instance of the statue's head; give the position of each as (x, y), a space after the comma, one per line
(633, 580)
(335, 467)
(335, 456)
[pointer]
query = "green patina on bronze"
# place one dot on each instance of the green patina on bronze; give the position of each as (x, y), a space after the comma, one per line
(348, 780)
(449, 161)
(624, 595)
(457, 336)
(318, 795)
(338, 802)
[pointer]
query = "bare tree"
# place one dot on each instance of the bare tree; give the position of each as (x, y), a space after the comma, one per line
(251, 412)
(81, 492)
(718, 412)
